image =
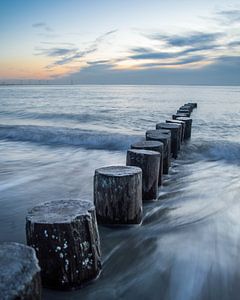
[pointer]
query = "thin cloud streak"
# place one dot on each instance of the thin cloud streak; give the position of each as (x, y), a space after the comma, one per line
(228, 17)
(66, 55)
(42, 25)
(189, 39)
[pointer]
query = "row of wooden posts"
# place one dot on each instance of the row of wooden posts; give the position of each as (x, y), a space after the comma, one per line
(63, 235)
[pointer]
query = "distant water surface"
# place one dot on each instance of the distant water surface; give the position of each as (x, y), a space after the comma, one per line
(52, 138)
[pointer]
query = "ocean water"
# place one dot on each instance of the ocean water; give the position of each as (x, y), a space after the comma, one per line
(52, 138)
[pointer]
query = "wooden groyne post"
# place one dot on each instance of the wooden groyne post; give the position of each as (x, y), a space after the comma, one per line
(65, 237)
(20, 273)
(175, 136)
(118, 195)
(149, 162)
(164, 137)
(153, 146)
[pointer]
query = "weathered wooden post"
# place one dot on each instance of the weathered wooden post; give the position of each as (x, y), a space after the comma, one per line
(154, 146)
(165, 138)
(149, 162)
(194, 105)
(20, 273)
(182, 127)
(174, 116)
(184, 111)
(188, 127)
(118, 195)
(65, 236)
(175, 135)
(188, 107)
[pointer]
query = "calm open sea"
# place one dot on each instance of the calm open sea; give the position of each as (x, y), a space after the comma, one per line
(52, 138)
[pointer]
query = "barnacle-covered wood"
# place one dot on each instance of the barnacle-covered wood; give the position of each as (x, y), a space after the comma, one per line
(149, 162)
(65, 236)
(20, 273)
(118, 195)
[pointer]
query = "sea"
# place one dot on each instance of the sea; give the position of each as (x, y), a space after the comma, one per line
(52, 138)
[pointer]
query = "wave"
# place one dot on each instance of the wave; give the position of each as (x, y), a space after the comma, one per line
(227, 151)
(67, 136)
(80, 117)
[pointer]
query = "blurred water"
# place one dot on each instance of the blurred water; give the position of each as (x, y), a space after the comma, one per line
(52, 138)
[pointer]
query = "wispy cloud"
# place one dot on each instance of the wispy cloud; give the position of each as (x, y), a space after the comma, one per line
(189, 39)
(149, 54)
(42, 25)
(228, 17)
(69, 54)
(185, 61)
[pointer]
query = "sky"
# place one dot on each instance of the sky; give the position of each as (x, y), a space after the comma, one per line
(120, 42)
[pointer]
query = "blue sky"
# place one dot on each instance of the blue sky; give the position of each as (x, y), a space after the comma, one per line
(135, 42)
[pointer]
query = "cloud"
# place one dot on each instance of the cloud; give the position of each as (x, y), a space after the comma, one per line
(189, 39)
(66, 55)
(228, 17)
(154, 55)
(149, 54)
(42, 25)
(98, 62)
(224, 71)
(52, 52)
(234, 44)
(185, 61)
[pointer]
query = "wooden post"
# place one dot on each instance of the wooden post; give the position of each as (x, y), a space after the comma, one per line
(188, 127)
(65, 236)
(118, 195)
(179, 115)
(20, 273)
(194, 105)
(154, 146)
(182, 127)
(165, 138)
(175, 135)
(187, 106)
(184, 111)
(149, 162)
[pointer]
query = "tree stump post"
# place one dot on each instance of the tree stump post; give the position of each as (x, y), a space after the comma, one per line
(20, 273)
(188, 127)
(165, 138)
(153, 146)
(65, 236)
(118, 195)
(149, 162)
(175, 135)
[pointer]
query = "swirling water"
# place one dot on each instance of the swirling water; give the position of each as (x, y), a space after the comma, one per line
(52, 138)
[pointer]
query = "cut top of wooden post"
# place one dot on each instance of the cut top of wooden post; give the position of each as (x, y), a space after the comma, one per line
(158, 132)
(184, 119)
(118, 171)
(179, 115)
(61, 211)
(161, 130)
(19, 266)
(148, 145)
(168, 125)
